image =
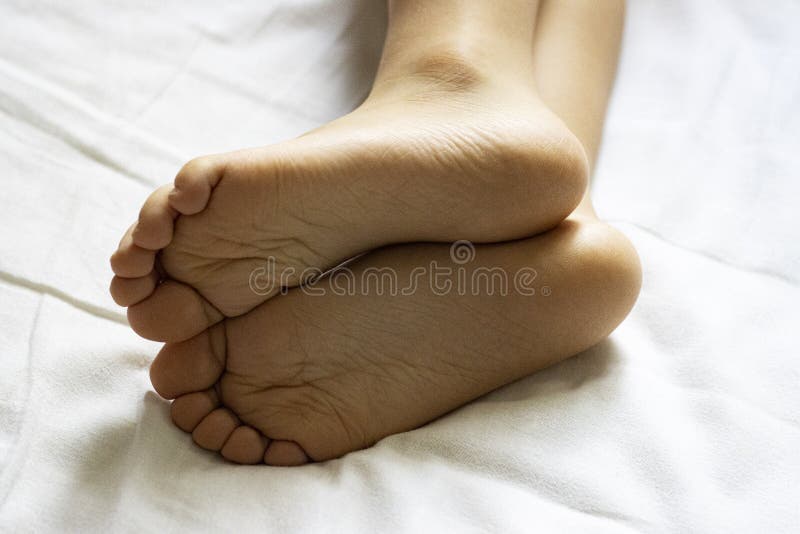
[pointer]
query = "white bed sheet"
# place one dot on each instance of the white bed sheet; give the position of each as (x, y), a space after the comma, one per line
(686, 419)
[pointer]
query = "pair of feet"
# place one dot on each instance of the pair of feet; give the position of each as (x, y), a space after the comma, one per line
(289, 378)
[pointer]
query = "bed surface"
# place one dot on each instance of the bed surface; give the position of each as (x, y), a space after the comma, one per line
(686, 419)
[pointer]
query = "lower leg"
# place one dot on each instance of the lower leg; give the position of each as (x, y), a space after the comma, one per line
(575, 53)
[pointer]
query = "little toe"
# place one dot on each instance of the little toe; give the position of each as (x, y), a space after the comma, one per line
(215, 428)
(188, 410)
(156, 220)
(245, 445)
(285, 453)
(194, 183)
(174, 312)
(191, 365)
(130, 260)
(130, 291)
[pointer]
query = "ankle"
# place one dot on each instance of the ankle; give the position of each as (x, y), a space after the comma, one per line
(458, 45)
(447, 68)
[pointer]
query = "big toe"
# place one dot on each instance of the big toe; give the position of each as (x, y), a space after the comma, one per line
(173, 312)
(188, 366)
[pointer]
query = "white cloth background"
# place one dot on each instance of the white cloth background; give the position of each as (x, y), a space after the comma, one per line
(686, 419)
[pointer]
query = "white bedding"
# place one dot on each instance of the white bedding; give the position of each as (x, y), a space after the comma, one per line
(686, 419)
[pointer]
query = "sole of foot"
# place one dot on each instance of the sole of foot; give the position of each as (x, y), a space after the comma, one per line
(435, 158)
(311, 376)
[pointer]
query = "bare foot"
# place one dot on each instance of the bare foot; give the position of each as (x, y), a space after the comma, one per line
(308, 377)
(443, 154)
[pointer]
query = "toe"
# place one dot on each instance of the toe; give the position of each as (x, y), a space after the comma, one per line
(285, 453)
(188, 410)
(156, 219)
(194, 183)
(130, 260)
(174, 312)
(215, 428)
(245, 445)
(191, 365)
(129, 291)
